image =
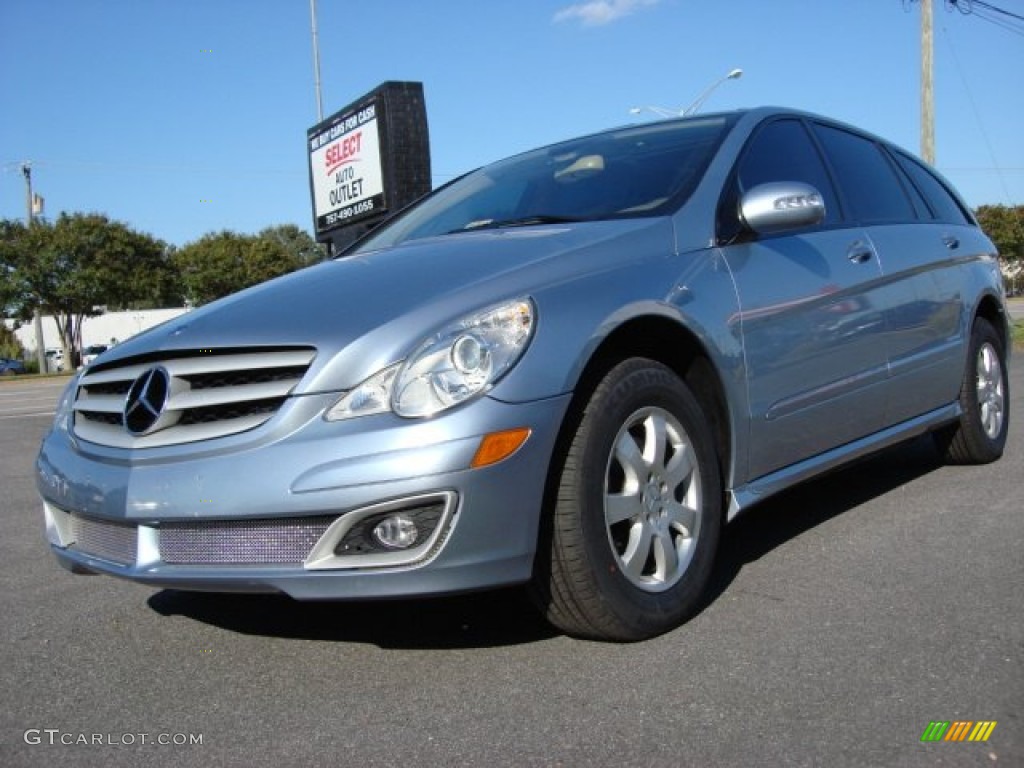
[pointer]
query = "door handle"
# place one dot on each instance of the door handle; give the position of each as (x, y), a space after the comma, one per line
(951, 242)
(860, 252)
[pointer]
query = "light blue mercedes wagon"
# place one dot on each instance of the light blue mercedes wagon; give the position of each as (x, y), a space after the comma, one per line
(568, 369)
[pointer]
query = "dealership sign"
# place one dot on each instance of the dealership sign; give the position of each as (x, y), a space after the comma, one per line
(345, 166)
(368, 159)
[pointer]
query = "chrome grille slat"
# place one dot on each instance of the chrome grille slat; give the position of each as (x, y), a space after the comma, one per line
(212, 394)
(202, 398)
(115, 436)
(205, 363)
(100, 403)
(106, 540)
(186, 366)
(241, 542)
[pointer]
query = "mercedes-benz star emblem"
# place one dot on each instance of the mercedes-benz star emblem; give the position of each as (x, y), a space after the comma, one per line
(146, 401)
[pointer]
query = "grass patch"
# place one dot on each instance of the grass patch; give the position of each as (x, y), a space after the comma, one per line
(1018, 335)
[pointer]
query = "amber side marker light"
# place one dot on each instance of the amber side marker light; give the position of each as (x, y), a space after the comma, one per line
(498, 446)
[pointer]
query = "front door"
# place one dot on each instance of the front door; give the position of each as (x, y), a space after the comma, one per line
(811, 313)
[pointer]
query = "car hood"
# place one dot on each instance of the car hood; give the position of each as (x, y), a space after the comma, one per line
(389, 300)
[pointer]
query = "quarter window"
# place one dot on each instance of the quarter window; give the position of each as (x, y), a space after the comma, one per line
(944, 206)
(868, 182)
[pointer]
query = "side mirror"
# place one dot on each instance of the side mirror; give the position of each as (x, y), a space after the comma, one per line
(780, 206)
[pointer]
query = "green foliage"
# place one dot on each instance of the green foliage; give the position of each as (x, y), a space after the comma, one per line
(10, 347)
(225, 262)
(1005, 226)
(297, 242)
(75, 267)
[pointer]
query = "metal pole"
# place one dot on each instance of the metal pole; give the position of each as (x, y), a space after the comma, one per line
(37, 319)
(927, 101)
(316, 63)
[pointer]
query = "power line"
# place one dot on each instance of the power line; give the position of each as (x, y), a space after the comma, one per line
(1000, 17)
(977, 114)
(95, 166)
(966, 7)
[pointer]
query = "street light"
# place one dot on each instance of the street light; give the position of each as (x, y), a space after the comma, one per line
(733, 75)
(661, 111)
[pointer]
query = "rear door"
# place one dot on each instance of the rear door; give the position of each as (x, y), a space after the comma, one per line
(928, 339)
(810, 314)
(919, 233)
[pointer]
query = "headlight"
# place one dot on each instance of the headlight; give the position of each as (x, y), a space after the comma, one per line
(62, 417)
(462, 361)
(372, 396)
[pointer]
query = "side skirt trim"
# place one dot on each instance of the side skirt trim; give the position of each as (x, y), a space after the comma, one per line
(760, 489)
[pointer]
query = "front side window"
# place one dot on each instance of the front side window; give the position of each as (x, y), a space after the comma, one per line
(780, 150)
(646, 170)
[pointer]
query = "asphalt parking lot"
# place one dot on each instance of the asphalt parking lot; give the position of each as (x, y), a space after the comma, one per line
(845, 616)
(1016, 307)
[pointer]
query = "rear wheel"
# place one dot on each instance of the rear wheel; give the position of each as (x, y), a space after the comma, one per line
(635, 524)
(980, 434)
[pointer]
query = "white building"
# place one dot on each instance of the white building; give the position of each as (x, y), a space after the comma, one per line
(108, 328)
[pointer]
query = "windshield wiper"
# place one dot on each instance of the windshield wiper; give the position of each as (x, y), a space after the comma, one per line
(522, 221)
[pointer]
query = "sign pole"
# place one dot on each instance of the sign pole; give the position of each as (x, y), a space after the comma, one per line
(316, 63)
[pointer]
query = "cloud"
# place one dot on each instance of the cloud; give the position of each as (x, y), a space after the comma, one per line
(595, 13)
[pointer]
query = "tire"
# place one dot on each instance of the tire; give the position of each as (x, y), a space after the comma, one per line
(633, 527)
(980, 434)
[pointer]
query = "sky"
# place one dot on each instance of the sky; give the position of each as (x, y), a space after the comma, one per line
(185, 117)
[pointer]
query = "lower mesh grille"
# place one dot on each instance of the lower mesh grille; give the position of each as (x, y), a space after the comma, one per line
(103, 539)
(241, 542)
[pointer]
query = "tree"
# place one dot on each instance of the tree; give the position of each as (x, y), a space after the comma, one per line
(297, 242)
(9, 344)
(77, 266)
(225, 262)
(1005, 226)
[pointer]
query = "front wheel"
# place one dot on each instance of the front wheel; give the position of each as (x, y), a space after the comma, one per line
(634, 527)
(980, 434)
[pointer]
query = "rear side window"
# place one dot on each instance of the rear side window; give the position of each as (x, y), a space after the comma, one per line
(944, 206)
(868, 182)
(782, 151)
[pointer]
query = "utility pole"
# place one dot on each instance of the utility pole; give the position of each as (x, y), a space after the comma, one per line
(927, 103)
(37, 319)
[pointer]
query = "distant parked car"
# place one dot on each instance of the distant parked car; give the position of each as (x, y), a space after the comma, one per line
(91, 352)
(10, 366)
(570, 368)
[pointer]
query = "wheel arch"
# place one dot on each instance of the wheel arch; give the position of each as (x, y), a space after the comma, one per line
(991, 309)
(670, 343)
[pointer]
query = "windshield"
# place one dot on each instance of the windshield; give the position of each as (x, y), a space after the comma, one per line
(646, 170)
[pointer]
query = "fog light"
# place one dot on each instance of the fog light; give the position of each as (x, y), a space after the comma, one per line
(396, 532)
(398, 529)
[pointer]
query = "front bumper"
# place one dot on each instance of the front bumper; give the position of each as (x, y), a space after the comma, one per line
(301, 474)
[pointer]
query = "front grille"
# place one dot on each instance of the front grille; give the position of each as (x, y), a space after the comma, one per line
(103, 539)
(241, 542)
(210, 394)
